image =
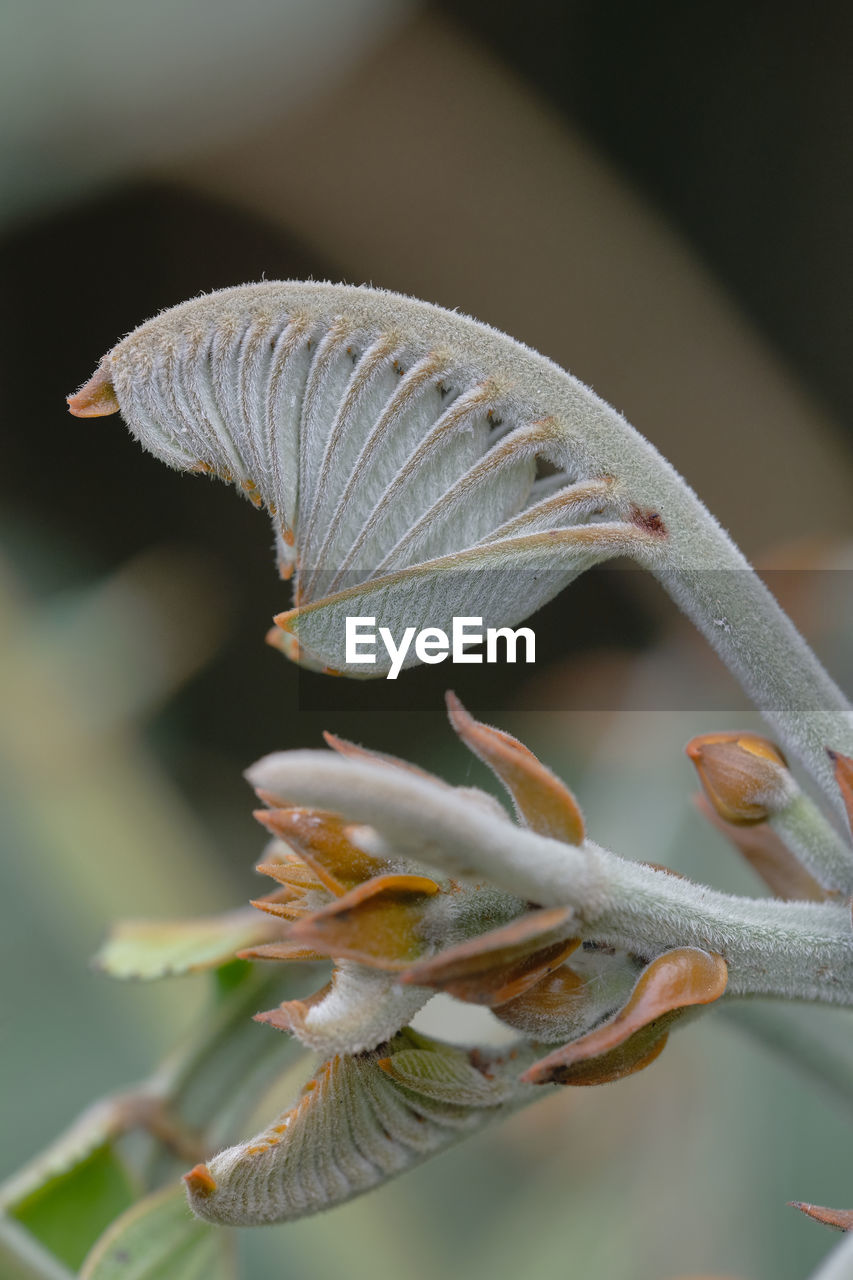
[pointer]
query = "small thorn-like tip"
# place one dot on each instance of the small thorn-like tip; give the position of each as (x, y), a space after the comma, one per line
(284, 620)
(840, 1219)
(833, 755)
(200, 1181)
(95, 399)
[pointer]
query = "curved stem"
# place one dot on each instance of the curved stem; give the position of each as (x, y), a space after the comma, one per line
(764, 650)
(816, 844)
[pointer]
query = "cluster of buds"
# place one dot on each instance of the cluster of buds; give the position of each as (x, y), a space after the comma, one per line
(409, 887)
(585, 1013)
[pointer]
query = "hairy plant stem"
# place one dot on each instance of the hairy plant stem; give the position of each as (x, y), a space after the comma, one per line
(798, 950)
(815, 843)
(668, 528)
(763, 649)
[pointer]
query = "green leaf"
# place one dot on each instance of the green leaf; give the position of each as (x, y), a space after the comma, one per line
(69, 1211)
(159, 1239)
(167, 948)
(446, 1077)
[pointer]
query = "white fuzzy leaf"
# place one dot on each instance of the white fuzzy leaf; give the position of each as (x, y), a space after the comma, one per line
(356, 1126)
(383, 435)
(263, 385)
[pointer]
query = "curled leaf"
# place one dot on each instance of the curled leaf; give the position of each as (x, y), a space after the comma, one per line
(541, 800)
(632, 1039)
(500, 582)
(499, 965)
(359, 1121)
(392, 442)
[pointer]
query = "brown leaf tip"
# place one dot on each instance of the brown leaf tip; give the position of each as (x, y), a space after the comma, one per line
(95, 399)
(200, 1181)
(841, 1219)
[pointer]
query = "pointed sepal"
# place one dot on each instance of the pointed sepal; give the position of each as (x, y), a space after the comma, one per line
(542, 802)
(676, 980)
(500, 965)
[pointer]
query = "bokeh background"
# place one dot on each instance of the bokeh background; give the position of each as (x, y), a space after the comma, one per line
(657, 196)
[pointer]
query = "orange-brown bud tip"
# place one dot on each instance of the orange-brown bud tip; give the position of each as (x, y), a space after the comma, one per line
(266, 817)
(283, 620)
(841, 1219)
(200, 1181)
(744, 776)
(96, 399)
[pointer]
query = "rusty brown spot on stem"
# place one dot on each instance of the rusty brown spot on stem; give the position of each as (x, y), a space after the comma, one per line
(649, 521)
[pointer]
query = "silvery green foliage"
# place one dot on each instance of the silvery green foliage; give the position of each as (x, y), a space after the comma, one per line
(420, 465)
(362, 1120)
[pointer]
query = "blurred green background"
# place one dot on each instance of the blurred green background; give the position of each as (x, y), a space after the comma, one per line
(659, 197)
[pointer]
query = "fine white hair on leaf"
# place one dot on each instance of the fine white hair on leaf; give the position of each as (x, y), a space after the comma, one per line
(361, 1121)
(417, 464)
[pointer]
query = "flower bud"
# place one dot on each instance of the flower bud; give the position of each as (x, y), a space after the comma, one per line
(745, 777)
